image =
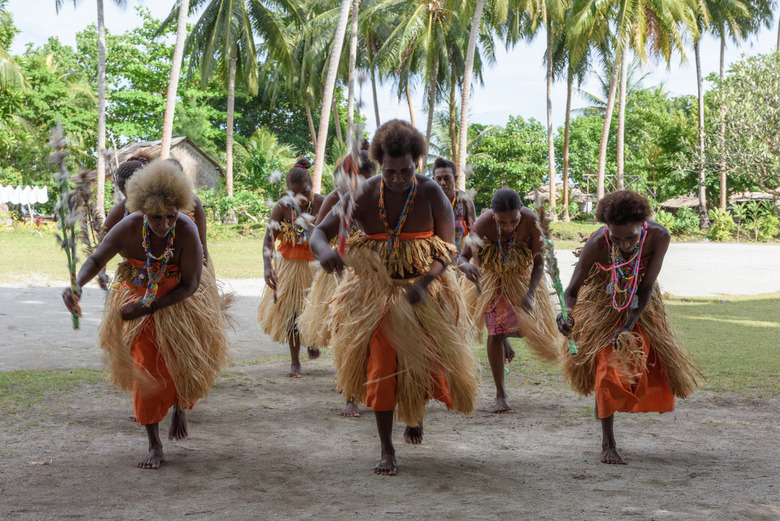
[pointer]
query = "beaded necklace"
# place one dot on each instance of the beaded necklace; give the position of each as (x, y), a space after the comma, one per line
(393, 235)
(510, 247)
(631, 280)
(148, 272)
(300, 230)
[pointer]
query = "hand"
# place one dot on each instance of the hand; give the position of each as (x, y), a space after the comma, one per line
(71, 300)
(470, 271)
(331, 262)
(528, 301)
(416, 292)
(103, 281)
(135, 310)
(565, 326)
(623, 329)
(270, 279)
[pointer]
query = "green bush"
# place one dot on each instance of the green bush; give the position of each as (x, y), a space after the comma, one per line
(247, 206)
(722, 225)
(686, 221)
(665, 219)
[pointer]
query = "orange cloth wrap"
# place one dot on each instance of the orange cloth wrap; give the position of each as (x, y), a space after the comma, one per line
(382, 368)
(649, 394)
(150, 405)
(290, 250)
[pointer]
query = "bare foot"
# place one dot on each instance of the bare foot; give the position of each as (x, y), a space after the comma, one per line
(502, 406)
(509, 353)
(350, 410)
(131, 418)
(611, 456)
(152, 460)
(413, 435)
(295, 371)
(178, 428)
(386, 466)
(314, 353)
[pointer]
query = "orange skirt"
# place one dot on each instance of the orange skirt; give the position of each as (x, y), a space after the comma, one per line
(649, 393)
(382, 368)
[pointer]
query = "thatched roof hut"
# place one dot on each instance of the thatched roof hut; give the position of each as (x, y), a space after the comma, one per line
(203, 170)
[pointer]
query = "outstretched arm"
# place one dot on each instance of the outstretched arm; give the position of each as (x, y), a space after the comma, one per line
(277, 214)
(588, 257)
(538, 270)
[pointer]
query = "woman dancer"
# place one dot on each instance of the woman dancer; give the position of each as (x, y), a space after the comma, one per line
(627, 353)
(288, 276)
(506, 243)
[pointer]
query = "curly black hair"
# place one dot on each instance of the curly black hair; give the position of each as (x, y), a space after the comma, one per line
(126, 170)
(623, 207)
(397, 138)
(445, 163)
(505, 200)
(300, 172)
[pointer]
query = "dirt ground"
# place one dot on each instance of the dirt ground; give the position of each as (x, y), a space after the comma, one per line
(263, 446)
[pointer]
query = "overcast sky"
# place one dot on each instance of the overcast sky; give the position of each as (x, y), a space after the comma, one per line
(514, 86)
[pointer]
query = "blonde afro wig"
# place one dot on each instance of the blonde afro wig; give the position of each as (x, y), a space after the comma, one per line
(160, 185)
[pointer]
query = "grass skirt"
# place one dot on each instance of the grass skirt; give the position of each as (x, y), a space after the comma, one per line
(430, 336)
(278, 319)
(595, 322)
(513, 279)
(314, 324)
(191, 336)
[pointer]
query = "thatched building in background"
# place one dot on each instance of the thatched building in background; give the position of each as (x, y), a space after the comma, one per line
(203, 170)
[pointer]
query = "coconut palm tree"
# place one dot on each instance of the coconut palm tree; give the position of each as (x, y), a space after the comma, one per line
(637, 23)
(327, 97)
(222, 42)
(101, 149)
(173, 84)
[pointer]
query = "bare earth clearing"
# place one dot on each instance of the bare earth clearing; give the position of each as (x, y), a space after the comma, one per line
(264, 446)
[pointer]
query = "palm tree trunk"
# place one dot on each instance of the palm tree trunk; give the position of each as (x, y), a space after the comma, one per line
(411, 107)
(466, 90)
(373, 80)
(605, 129)
(621, 135)
(722, 130)
(705, 223)
(351, 73)
(778, 37)
(431, 107)
(550, 143)
(311, 125)
(231, 103)
(327, 95)
(173, 84)
(453, 121)
(337, 121)
(566, 129)
(101, 148)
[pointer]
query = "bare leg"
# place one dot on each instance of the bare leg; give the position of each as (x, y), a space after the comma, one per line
(495, 350)
(609, 451)
(414, 435)
(350, 410)
(509, 353)
(295, 347)
(155, 456)
(314, 353)
(384, 426)
(178, 428)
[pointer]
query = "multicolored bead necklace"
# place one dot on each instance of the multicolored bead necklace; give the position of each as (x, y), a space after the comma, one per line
(510, 247)
(631, 280)
(148, 272)
(393, 235)
(300, 230)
